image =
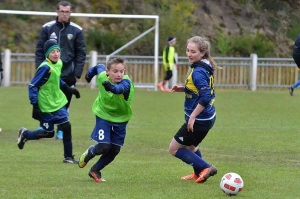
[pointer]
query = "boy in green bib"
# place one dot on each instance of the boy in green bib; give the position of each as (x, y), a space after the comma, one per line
(112, 109)
(49, 102)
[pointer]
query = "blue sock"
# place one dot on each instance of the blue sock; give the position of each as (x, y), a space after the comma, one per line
(198, 152)
(31, 135)
(296, 84)
(191, 158)
(103, 161)
(68, 148)
(91, 150)
(196, 170)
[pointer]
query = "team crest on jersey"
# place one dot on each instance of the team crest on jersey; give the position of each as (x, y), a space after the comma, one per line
(70, 36)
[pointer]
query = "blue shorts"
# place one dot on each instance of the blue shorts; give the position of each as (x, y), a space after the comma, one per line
(58, 117)
(109, 132)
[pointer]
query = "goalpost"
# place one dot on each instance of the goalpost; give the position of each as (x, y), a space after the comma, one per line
(155, 28)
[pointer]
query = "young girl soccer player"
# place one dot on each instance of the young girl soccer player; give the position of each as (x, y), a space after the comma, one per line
(112, 108)
(200, 114)
(49, 102)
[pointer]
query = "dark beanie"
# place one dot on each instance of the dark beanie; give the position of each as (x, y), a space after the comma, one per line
(49, 46)
(171, 38)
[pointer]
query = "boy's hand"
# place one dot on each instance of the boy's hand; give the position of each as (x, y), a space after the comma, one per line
(108, 86)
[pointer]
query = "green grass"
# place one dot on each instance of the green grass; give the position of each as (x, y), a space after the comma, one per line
(256, 135)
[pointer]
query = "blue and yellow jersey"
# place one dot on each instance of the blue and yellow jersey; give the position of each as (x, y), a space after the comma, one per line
(199, 89)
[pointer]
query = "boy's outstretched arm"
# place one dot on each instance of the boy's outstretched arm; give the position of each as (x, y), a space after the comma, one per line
(95, 70)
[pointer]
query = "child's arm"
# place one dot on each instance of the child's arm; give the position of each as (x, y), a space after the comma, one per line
(40, 78)
(122, 87)
(95, 70)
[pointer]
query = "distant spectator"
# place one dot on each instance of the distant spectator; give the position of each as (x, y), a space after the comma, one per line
(168, 62)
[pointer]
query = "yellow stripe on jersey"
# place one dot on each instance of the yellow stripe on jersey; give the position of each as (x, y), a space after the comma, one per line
(189, 84)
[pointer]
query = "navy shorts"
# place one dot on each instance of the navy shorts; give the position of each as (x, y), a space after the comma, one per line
(109, 132)
(201, 129)
(58, 117)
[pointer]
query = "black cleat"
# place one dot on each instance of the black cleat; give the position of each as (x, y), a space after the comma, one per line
(70, 160)
(96, 175)
(291, 91)
(21, 139)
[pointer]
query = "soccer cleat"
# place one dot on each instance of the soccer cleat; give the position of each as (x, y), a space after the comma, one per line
(206, 173)
(96, 175)
(70, 160)
(192, 176)
(21, 139)
(84, 158)
(161, 87)
(59, 135)
(291, 90)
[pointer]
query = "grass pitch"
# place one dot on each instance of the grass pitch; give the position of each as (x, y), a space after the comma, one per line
(256, 135)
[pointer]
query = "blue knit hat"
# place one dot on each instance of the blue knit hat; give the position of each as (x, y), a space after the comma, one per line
(49, 46)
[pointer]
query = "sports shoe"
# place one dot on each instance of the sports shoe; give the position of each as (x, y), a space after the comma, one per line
(59, 135)
(96, 175)
(206, 173)
(291, 90)
(21, 139)
(70, 160)
(84, 158)
(161, 87)
(192, 176)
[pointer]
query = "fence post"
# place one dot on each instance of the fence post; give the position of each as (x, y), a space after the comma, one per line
(6, 68)
(253, 72)
(174, 78)
(93, 62)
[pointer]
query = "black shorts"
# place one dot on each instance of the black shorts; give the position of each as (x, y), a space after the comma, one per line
(296, 56)
(201, 129)
(168, 75)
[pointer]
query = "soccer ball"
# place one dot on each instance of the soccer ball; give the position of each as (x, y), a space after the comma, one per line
(231, 184)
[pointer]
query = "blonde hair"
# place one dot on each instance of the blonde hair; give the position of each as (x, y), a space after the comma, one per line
(204, 46)
(115, 60)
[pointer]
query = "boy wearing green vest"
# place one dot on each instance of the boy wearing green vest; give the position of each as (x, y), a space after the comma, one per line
(49, 102)
(112, 109)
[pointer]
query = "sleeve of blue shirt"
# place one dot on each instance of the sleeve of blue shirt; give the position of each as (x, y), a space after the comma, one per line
(62, 83)
(122, 87)
(95, 70)
(40, 78)
(201, 81)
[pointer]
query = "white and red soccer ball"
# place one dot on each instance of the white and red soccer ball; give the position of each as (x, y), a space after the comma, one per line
(231, 184)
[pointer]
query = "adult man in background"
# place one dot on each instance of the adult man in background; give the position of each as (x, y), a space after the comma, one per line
(69, 37)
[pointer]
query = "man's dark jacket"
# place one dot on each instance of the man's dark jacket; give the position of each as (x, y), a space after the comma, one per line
(70, 38)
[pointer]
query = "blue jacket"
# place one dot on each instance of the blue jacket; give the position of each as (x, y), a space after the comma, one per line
(70, 38)
(199, 89)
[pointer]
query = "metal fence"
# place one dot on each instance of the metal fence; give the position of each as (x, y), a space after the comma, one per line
(237, 72)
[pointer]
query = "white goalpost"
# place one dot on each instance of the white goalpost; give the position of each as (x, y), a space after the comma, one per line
(91, 15)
